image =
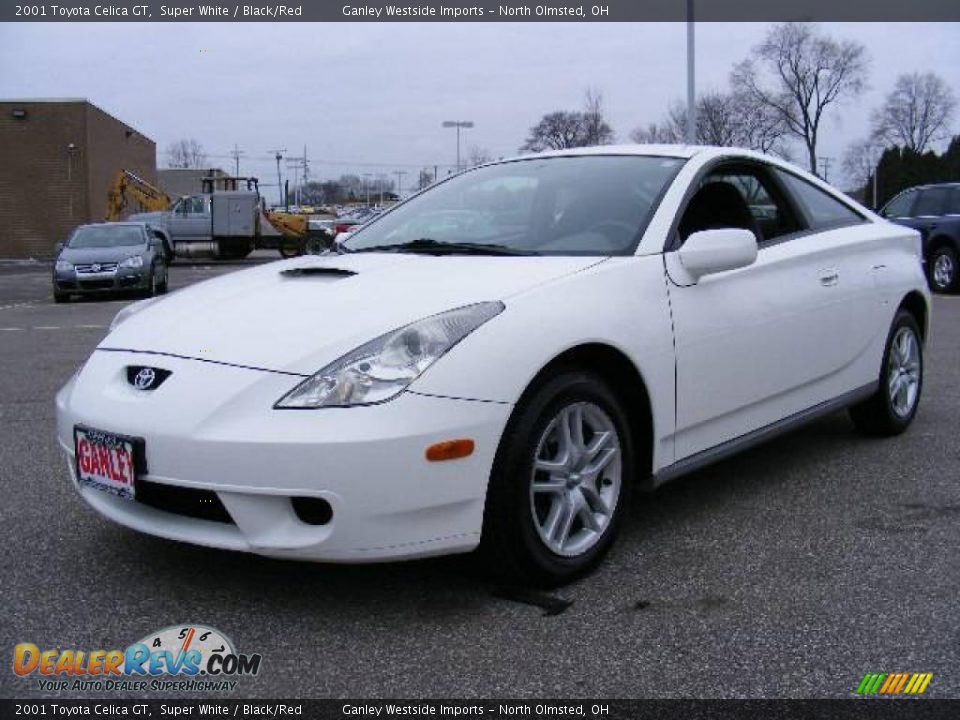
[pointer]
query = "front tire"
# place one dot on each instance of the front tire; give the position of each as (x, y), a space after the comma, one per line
(942, 271)
(560, 482)
(151, 290)
(892, 408)
(164, 284)
(290, 249)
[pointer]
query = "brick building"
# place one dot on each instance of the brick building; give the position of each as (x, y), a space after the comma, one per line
(59, 157)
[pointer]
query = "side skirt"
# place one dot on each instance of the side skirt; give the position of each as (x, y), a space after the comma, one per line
(760, 435)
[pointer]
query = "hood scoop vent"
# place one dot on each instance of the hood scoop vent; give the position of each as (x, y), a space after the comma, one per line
(317, 272)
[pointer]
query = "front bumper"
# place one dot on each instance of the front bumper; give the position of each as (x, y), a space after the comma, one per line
(115, 281)
(211, 427)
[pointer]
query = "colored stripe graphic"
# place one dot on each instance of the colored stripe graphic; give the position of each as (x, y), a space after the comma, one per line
(894, 683)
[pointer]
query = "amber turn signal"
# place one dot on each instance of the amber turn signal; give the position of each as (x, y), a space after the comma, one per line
(450, 450)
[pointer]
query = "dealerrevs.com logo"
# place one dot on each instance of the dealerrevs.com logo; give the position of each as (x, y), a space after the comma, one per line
(187, 657)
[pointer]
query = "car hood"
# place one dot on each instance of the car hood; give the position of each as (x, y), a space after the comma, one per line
(101, 255)
(298, 315)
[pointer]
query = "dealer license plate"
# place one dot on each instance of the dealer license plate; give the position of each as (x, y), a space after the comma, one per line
(106, 461)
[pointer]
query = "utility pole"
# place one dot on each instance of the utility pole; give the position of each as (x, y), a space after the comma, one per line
(236, 153)
(400, 174)
(691, 84)
(826, 167)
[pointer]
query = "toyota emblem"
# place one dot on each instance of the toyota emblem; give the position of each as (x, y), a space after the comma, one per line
(95, 267)
(144, 379)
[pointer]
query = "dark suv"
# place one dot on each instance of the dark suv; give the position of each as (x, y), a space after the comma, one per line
(934, 210)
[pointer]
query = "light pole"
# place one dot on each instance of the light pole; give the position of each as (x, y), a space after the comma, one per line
(279, 157)
(458, 124)
(691, 84)
(367, 185)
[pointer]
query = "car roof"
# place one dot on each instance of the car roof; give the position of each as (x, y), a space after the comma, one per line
(677, 151)
(930, 185)
(125, 223)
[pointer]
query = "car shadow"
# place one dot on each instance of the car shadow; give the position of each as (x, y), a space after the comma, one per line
(452, 585)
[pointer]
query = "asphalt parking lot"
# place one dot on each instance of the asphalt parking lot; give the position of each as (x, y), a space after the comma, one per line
(790, 571)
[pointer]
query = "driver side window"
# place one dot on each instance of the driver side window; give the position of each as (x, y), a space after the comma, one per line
(738, 198)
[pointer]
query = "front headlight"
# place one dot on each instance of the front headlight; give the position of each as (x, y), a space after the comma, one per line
(132, 262)
(63, 266)
(383, 368)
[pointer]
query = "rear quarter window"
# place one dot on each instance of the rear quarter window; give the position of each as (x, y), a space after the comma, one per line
(822, 209)
(931, 202)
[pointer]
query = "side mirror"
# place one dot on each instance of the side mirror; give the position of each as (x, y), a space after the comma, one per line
(713, 251)
(58, 248)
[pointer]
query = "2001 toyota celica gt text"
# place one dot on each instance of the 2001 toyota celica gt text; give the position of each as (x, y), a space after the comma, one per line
(496, 361)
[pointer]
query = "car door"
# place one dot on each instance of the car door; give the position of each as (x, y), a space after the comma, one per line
(758, 344)
(190, 219)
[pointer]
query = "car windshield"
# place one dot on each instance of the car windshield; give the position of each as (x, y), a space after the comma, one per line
(567, 205)
(106, 236)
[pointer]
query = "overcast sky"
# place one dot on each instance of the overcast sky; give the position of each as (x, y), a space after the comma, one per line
(370, 97)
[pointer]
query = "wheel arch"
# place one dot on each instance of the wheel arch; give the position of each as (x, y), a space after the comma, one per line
(626, 381)
(168, 247)
(940, 240)
(916, 304)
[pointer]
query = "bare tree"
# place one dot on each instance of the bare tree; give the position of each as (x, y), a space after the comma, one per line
(556, 131)
(186, 153)
(595, 127)
(859, 162)
(759, 126)
(806, 72)
(424, 178)
(564, 129)
(728, 119)
(478, 156)
(916, 113)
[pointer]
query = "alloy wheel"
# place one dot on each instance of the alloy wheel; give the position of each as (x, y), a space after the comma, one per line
(576, 477)
(943, 271)
(903, 372)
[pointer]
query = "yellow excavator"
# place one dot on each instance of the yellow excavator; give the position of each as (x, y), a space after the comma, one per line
(127, 185)
(223, 221)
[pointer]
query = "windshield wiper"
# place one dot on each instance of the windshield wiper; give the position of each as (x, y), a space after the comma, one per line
(429, 246)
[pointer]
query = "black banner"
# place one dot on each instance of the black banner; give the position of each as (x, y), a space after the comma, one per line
(480, 11)
(855, 709)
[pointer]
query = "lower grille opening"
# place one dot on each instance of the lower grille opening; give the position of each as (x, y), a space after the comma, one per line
(191, 502)
(96, 284)
(312, 511)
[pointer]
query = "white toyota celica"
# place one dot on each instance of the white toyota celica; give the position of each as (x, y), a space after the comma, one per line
(496, 362)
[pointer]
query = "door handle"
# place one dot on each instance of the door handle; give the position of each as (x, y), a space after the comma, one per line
(829, 277)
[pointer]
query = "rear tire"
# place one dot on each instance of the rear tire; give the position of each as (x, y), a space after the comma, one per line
(892, 408)
(942, 270)
(560, 482)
